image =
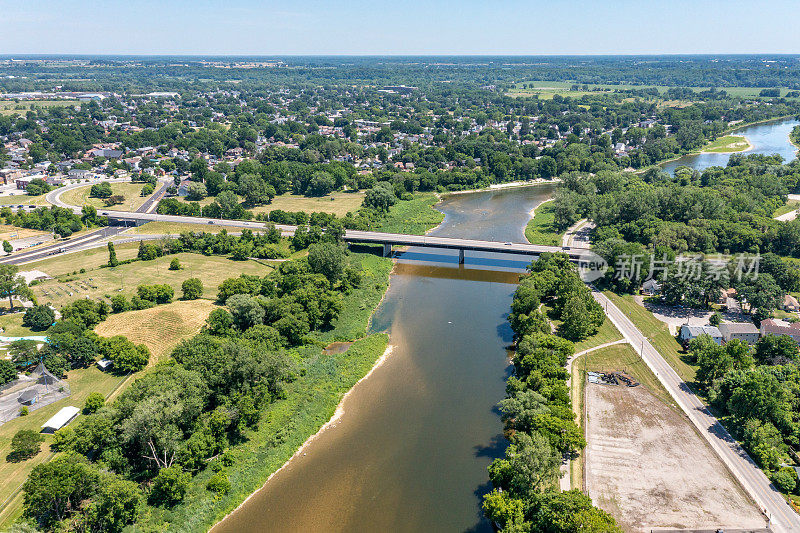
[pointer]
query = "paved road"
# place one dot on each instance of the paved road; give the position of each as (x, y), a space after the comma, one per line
(783, 518)
(791, 215)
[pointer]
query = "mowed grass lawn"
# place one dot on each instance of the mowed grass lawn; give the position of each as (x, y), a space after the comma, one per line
(337, 203)
(160, 328)
(727, 143)
(23, 199)
(82, 382)
(131, 192)
(105, 282)
(607, 333)
(10, 107)
(12, 325)
(540, 229)
(176, 228)
(67, 263)
(13, 232)
(657, 333)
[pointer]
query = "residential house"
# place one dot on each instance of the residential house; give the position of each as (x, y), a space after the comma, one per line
(688, 333)
(744, 331)
(772, 326)
(651, 287)
(790, 304)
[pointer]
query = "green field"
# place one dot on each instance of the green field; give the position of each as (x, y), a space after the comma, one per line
(101, 282)
(10, 107)
(657, 333)
(176, 228)
(337, 203)
(414, 217)
(546, 89)
(23, 199)
(540, 229)
(131, 192)
(607, 333)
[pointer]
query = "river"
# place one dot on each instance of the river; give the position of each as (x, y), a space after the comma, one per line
(766, 138)
(411, 450)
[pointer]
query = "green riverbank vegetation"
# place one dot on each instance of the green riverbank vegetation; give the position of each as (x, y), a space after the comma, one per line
(537, 413)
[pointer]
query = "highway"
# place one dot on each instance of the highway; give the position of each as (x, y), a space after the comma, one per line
(782, 517)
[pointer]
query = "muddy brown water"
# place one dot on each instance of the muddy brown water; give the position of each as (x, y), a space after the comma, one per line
(411, 449)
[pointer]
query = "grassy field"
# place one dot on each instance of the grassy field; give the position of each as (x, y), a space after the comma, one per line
(10, 107)
(658, 335)
(607, 333)
(728, 144)
(12, 326)
(540, 229)
(413, 217)
(131, 192)
(546, 89)
(13, 475)
(791, 205)
(23, 199)
(176, 228)
(160, 328)
(104, 282)
(12, 232)
(61, 264)
(337, 203)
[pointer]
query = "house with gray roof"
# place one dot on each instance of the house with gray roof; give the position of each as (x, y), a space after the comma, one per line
(688, 333)
(743, 331)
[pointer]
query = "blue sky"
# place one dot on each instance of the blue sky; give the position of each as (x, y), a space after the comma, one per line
(398, 27)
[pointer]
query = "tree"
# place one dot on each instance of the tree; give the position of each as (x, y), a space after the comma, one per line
(570, 512)
(327, 259)
(715, 319)
(531, 466)
(127, 357)
(228, 204)
(254, 190)
(12, 285)
(192, 289)
(245, 310)
(37, 187)
(115, 505)
(169, 486)
(147, 189)
(94, 402)
(219, 322)
(112, 255)
(7, 248)
(175, 264)
(8, 371)
(196, 192)
(25, 444)
(101, 190)
(119, 303)
(776, 350)
(320, 184)
(85, 313)
(56, 489)
(381, 197)
(39, 317)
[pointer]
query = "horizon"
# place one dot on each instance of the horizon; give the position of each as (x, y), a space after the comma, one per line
(434, 28)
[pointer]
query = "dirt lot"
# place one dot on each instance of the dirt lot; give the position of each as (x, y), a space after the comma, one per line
(647, 467)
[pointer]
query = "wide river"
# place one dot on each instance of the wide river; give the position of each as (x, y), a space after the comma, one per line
(411, 450)
(767, 138)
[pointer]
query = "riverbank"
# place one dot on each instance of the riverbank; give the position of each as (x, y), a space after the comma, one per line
(540, 229)
(314, 403)
(724, 133)
(509, 185)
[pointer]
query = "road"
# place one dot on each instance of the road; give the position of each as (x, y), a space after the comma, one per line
(782, 516)
(791, 215)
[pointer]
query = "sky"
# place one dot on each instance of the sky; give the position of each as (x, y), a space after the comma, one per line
(399, 27)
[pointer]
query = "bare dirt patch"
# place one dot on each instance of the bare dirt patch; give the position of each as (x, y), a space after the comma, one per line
(647, 466)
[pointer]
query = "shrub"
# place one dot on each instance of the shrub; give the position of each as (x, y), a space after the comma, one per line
(119, 304)
(169, 486)
(219, 483)
(785, 479)
(23, 411)
(94, 402)
(192, 289)
(175, 264)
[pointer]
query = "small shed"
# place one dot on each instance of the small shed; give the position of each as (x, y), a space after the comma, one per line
(104, 364)
(60, 419)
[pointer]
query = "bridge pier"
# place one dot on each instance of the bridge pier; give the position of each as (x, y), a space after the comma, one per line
(387, 250)
(461, 256)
